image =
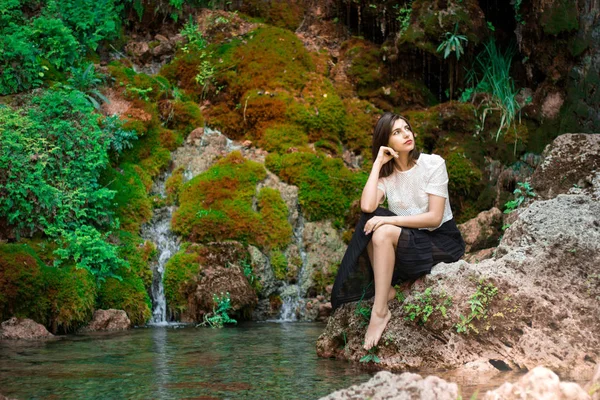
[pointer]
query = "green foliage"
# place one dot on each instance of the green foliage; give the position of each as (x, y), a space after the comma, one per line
(326, 186)
(403, 16)
(57, 36)
(191, 31)
(517, 7)
(219, 316)
(249, 274)
(452, 43)
(491, 75)
(51, 157)
(206, 75)
(523, 191)
(425, 304)
(281, 137)
(120, 139)
(90, 250)
(279, 264)
(85, 79)
(370, 357)
(479, 304)
(464, 174)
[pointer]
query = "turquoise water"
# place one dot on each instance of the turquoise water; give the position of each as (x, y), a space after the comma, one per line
(250, 361)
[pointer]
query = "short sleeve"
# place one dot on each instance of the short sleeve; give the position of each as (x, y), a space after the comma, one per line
(437, 183)
(381, 186)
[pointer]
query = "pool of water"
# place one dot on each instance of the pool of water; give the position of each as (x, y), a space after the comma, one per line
(249, 361)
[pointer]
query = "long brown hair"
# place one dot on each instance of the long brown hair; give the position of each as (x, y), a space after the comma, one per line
(381, 137)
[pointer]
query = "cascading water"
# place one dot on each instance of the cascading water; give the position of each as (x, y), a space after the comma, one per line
(158, 230)
(292, 295)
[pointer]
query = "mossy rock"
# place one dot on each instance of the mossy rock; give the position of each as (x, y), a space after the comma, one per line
(174, 186)
(320, 111)
(217, 205)
(273, 58)
(326, 186)
(138, 252)
(361, 117)
(283, 14)
(366, 68)
(138, 85)
(279, 265)
(181, 116)
(402, 95)
(132, 205)
(323, 278)
(431, 19)
(128, 294)
(561, 16)
(62, 299)
(181, 272)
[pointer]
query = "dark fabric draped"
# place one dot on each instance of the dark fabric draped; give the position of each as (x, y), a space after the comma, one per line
(418, 250)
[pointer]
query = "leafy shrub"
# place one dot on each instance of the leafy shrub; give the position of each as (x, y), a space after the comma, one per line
(219, 316)
(51, 157)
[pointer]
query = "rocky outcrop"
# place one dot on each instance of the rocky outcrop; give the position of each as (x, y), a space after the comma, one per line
(23, 328)
(535, 303)
(483, 231)
(385, 385)
(108, 320)
(571, 163)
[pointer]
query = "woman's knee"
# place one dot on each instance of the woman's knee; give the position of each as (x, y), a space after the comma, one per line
(386, 234)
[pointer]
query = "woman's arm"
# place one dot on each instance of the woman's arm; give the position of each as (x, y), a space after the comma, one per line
(371, 196)
(430, 219)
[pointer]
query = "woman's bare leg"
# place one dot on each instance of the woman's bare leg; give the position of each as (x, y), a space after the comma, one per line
(384, 240)
(392, 291)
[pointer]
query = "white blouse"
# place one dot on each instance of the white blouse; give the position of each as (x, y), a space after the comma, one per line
(408, 191)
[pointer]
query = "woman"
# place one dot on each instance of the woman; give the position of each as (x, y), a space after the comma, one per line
(400, 244)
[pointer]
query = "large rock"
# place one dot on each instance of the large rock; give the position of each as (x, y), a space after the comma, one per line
(23, 328)
(543, 288)
(539, 383)
(483, 231)
(571, 162)
(385, 385)
(108, 320)
(219, 274)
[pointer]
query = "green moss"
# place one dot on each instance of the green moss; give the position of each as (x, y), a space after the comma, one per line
(129, 295)
(174, 186)
(320, 111)
(367, 70)
(274, 213)
(62, 299)
(272, 58)
(281, 137)
(138, 252)
(326, 186)
(360, 120)
(283, 14)
(560, 17)
(279, 264)
(180, 278)
(463, 175)
(186, 117)
(217, 205)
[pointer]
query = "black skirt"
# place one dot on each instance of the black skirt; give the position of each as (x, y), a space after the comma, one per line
(418, 250)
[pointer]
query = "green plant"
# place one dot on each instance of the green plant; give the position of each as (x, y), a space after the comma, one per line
(403, 16)
(517, 7)
(85, 79)
(219, 316)
(452, 43)
(491, 75)
(193, 35)
(205, 75)
(426, 304)
(371, 356)
(479, 304)
(141, 93)
(120, 139)
(523, 191)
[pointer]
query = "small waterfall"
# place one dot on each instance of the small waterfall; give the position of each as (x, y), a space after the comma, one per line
(158, 230)
(292, 295)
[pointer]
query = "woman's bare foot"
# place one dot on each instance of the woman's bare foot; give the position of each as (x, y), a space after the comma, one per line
(376, 328)
(391, 293)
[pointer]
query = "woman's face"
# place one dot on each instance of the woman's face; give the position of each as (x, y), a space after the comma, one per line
(401, 138)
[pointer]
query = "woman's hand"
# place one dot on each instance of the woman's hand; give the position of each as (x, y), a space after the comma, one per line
(374, 223)
(385, 154)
